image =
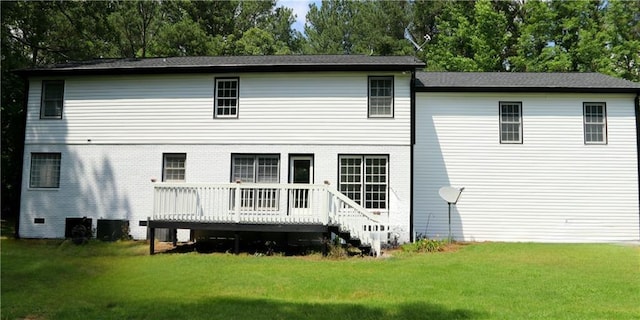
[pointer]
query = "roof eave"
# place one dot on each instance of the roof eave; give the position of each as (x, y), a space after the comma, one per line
(215, 69)
(528, 89)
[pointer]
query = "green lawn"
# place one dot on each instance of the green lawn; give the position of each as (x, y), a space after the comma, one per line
(59, 280)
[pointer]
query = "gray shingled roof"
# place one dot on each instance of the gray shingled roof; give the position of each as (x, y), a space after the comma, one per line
(231, 63)
(521, 81)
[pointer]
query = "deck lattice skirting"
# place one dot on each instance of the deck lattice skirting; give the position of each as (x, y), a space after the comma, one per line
(264, 207)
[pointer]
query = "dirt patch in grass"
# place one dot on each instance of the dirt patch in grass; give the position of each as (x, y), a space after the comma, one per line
(455, 246)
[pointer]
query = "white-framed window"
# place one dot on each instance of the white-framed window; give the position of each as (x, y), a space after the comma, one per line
(52, 99)
(380, 97)
(595, 123)
(45, 170)
(226, 99)
(365, 179)
(510, 122)
(174, 167)
(257, 168)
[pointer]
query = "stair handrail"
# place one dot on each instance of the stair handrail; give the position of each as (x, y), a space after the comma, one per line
(372, 236)
(352, 204)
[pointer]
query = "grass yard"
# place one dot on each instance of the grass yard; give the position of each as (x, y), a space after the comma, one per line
(59, 280)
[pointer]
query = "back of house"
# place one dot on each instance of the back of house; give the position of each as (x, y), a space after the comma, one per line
(103, 136)
(306, 144)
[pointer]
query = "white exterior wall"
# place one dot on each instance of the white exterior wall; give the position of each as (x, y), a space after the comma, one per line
(114, 181)
(131, 121)
(274, 108)
(550, 188)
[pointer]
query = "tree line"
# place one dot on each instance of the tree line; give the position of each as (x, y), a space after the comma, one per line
(480, 35)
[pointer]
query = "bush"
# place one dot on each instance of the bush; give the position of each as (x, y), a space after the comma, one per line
(424, 245)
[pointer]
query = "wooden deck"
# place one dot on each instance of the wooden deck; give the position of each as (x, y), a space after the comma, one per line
(284, 208)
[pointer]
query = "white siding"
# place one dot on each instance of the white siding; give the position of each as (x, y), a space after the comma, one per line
(550, 188)
(114, 181)
(274, 108)
(115, 129)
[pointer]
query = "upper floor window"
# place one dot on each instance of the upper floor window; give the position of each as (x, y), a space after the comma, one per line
(364, 179)
(45, 170)
(595, 123)
(380, 97)
(52, 99)
(510, 122)
(174, 167)
(226, 100)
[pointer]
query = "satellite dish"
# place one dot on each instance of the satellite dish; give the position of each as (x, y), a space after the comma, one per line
(450, 194)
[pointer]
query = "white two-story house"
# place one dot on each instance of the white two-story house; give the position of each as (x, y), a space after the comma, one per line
(275, 143)
(352, 145)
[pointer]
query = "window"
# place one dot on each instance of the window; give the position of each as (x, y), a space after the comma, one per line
(510, 122)
(174, 167)
(52, 99)
(226, 101)
(257, 169)
(380, 97)
(595, 123)
(45, 170)
(364, 179)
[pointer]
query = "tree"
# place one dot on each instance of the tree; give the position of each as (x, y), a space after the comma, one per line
(330, 27)
(364, 27)
(135, 24)
(185, 37)
(467, 36)
(621, 29)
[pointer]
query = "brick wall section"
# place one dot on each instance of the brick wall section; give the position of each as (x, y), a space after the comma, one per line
(114, 181)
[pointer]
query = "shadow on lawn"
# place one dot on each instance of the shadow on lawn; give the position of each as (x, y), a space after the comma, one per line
(254, 309)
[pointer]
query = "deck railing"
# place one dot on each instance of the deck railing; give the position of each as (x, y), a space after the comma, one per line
(267, 204)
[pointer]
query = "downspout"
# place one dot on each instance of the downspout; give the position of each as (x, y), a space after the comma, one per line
(637, 113)
(413, 142)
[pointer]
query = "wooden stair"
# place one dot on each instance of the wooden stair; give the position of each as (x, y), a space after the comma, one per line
(352, 241)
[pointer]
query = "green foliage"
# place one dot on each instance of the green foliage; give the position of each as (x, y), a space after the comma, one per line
(336, 250)
(358, 27)
(59, 280)
(424, 245)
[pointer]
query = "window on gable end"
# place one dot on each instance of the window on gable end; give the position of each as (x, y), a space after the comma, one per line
(226, 98)
(510, 122)
(595, 123)
(52, 99)
(380, 97)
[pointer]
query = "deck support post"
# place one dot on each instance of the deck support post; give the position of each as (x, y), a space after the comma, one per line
(152, 240)
(174, 237)
(325, 244)
(236, 245)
